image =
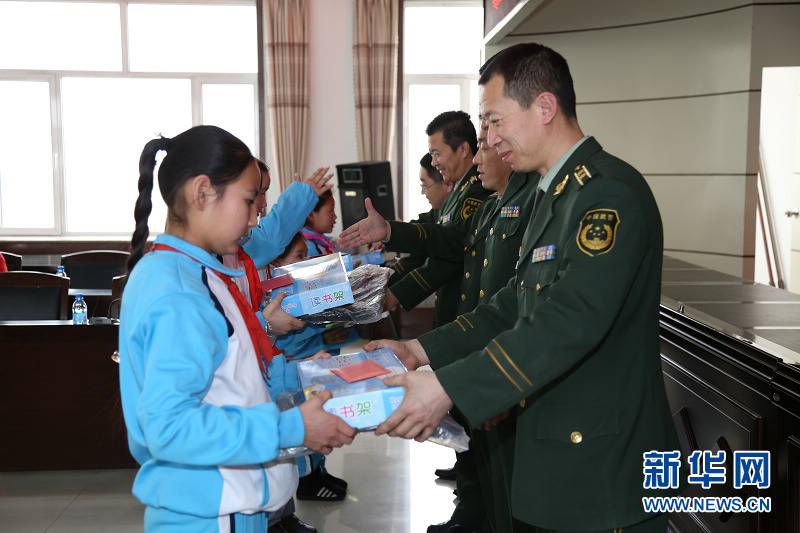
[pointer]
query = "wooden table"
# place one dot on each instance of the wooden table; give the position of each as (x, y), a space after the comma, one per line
(59, 397)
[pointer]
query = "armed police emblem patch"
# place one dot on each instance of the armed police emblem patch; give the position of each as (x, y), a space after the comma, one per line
(470, 206)
(597, 231)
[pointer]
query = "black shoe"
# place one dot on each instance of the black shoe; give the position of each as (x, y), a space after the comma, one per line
(447, 473)
(291, 524)
(316, 487)
(335, 480)
(451, 526)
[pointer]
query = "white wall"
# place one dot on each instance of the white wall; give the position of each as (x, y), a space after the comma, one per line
(675, 89)
(332, 118)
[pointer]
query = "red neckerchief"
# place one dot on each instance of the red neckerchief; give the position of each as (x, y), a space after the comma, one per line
(326, 246)
(253, 281)
(261, 342)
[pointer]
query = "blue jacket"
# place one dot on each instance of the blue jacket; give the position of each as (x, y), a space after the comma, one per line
(275, 231)
(200, 419)
(308, 340)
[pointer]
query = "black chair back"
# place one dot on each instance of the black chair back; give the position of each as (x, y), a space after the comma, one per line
(13, 261)
(94, 269)
(33, 296)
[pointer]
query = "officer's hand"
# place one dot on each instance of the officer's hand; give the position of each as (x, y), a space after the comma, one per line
(495, 420)
(365, 231)
(424, 405)
(411, 353)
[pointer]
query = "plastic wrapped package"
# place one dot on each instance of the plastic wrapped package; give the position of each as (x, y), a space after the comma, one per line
(285, 400)
(368, 284)
(311, 285)
(363, 400)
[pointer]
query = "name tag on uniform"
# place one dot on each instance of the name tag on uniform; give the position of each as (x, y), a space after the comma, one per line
(511, 211)
(446, 218)
(545, 253)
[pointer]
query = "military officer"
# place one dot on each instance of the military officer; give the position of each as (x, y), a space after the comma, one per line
(489, 242)
(570, 346)
(452, 143)
(435, 190)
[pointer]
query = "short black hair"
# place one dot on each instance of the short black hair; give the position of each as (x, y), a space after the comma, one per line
(427, 163)
(528, 70)
(456, 127)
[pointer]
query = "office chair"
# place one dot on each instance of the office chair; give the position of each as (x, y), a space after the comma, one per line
(13, 261)
(33, 296)
(94, 269)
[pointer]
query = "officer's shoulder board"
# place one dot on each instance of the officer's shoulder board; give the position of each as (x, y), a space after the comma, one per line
(584, 173)
(581, 174)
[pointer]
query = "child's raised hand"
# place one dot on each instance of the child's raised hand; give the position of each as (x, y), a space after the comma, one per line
(324, 431)
(281, 321)
(318, 180)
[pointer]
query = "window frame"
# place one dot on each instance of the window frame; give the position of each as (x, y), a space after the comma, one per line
(55, 77)
(410, 161)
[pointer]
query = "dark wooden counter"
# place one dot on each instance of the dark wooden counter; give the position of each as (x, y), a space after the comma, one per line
(729, 350)
(59, 398)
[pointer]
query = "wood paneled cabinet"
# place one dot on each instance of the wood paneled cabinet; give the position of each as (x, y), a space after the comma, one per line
(727, 394)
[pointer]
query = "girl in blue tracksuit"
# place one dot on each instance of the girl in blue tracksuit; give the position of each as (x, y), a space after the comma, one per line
(200, 420)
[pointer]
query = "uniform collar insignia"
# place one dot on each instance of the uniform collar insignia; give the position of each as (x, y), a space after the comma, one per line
(560, 186)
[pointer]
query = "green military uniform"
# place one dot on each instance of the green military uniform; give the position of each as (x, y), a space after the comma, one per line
(465, 199)
(571, 346)
(489, 242)
(416, 258)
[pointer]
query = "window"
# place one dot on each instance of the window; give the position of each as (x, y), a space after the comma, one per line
(442, 46)
(91, 82)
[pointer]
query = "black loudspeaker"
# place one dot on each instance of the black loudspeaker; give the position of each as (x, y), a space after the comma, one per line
(368, 179)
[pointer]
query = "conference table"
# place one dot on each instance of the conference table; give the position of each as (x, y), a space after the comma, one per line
(59, 397)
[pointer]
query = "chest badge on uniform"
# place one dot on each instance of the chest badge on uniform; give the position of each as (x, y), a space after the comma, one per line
(446, 218)
(545, 253)
(511, 211)
(597, 231)
(470, 206)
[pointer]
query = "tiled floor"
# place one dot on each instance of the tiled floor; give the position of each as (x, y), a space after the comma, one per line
(392, 489)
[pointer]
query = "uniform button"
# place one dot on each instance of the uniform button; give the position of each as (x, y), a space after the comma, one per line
(522, 403)
(435, 297)
(485, 262)
(476, 232)
(504, 236)
(491, 231)
(473, 253)
(463, 297)
(522, 284)
(465, 248)
(576, 437)
(481, 293)
(466, 275)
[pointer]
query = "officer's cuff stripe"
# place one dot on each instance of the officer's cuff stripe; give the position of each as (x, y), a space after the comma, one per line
(512, 363)
(503, 370)
(420, 280)
(467, 321)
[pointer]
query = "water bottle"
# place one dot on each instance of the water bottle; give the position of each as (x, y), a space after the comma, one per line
(79, 310)
(60, 271)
